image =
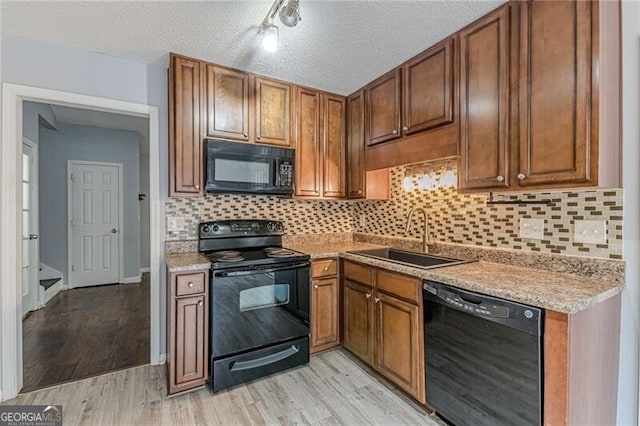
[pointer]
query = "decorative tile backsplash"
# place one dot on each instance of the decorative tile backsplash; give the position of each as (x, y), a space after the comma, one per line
(453, 217)
(298, 216)
(467, 219)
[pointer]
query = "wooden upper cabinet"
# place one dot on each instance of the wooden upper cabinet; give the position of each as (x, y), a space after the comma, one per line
(485, 127)
(227, 103)
(272, 112)
(428, 81)
(383, 106)
(334, 145)
(558, 135)
(307, 134)
(356, 166)
(186, 107)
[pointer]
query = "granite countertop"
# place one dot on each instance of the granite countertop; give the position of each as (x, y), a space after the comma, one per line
(321, 250)
(559, 292)
(181, 262)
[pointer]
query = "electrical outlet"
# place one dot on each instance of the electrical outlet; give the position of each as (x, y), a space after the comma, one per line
(532, 229)
(363, 221)
(175, 223)
(590, 231)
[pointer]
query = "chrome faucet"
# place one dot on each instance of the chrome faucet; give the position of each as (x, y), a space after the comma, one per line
(425, 238)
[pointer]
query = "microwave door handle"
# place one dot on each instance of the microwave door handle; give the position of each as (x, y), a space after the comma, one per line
(277, 172)
(260, 271)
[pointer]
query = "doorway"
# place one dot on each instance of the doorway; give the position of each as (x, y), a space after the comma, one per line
(11, 347)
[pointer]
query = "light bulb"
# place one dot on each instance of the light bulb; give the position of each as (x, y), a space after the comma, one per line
(270, 38)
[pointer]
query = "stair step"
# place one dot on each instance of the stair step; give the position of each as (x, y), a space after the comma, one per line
(48, 283)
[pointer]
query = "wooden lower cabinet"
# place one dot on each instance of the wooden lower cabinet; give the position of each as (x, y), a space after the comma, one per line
(399, 349)
(187, 330)
(385, 329)
(357, 320)
(325, 321)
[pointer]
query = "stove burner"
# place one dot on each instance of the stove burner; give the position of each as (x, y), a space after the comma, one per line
(280, 253)
(227, 253)
(272, 249)
(230, 258)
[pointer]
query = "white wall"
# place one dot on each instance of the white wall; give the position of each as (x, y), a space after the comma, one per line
(89, 144)
(628, 377)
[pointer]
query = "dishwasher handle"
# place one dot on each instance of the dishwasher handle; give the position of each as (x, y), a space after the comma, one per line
(511, 314)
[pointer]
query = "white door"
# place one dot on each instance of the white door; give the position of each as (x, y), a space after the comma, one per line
(30, 262)
(95, 205)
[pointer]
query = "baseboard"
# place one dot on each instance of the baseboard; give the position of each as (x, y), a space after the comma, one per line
(145, 270)
(131, 280)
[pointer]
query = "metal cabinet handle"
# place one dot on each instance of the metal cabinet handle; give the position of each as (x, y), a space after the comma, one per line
(114, 231)
(360, 192)
(245, 134)
(200, 303)
(377, 300)
(197, 186)
(315, 286)
(405, 128)
(33, 236)
(326, 268)
(190, 284)
(258, 137)
(499, 178)
(521, 176)
(394, 131)
(368, 295)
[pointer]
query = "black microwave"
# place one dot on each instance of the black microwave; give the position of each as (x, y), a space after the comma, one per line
(248, 168)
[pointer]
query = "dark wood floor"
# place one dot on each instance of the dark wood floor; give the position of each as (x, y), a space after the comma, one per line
(86, 331)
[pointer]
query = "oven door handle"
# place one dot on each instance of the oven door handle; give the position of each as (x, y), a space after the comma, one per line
(260, 271)
(265, 360)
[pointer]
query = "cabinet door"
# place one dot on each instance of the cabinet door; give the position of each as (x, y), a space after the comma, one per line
(324, 313)
(185, 145)
(357, 320)
(356, 177)
(227, 103)
(556, 138)
(333, 155)
(272, 106)
(428, 89)
(191, 348)
(399, 351)
(308, 161)
(484, 107)
(383, 108)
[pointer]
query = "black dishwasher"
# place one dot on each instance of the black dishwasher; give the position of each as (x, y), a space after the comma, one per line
(483, 358)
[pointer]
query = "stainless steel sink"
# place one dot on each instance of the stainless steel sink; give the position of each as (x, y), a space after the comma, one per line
(420, 260)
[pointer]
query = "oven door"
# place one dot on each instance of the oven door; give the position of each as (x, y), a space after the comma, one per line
(254, 308)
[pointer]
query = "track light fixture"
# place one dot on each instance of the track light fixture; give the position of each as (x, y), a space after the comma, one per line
(289, 16)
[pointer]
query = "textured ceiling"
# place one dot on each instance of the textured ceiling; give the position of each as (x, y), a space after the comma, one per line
(339, 45)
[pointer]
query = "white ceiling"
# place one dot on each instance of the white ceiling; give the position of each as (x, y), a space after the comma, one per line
(339, 45)
(106, 120)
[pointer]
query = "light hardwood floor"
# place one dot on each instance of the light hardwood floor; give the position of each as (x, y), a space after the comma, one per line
(333, 389)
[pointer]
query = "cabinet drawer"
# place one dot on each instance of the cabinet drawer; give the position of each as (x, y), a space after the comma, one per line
(400, 285)
(358, 272)
(190, 283)
(324, 268)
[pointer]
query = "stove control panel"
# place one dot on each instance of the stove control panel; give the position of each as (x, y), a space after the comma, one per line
(237, 228)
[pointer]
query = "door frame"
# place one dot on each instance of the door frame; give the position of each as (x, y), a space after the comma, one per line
(13, 96)
(70, 241)
(35, 210)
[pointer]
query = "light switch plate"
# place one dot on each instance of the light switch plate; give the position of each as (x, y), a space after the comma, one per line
(174, 223)
(532, 229)
(590, 231)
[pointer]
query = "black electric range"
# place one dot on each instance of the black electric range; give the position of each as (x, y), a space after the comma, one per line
(259, 307)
